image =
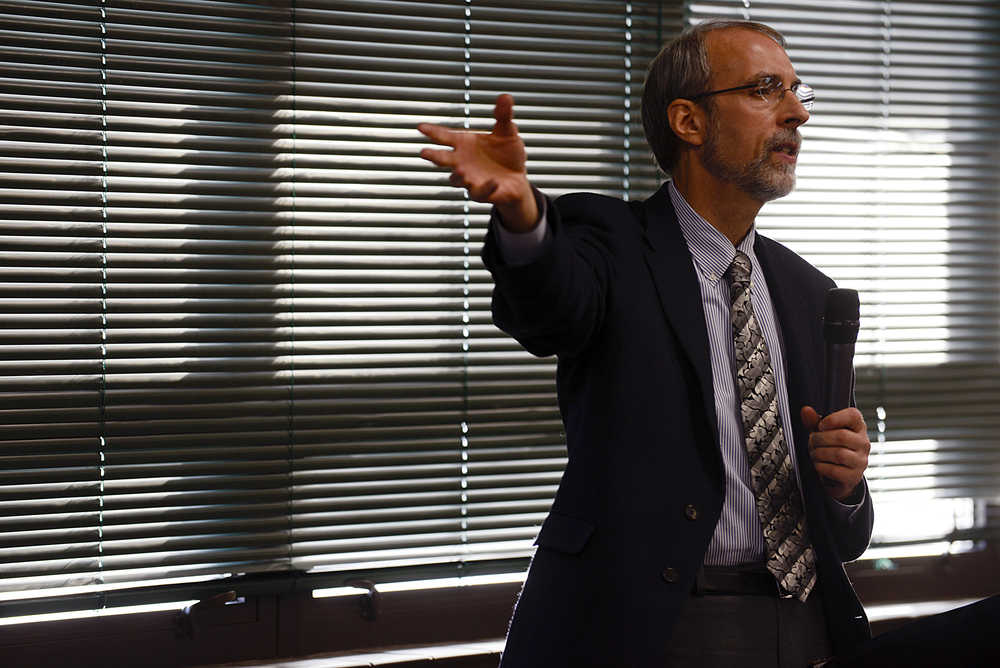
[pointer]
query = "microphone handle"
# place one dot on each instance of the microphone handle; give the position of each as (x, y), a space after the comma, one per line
(837, 392)
(839, 374)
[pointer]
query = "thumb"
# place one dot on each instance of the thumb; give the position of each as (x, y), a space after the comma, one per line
(810, 418)
(503, 112)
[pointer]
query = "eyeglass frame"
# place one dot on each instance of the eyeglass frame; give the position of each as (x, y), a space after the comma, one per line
(806, 102)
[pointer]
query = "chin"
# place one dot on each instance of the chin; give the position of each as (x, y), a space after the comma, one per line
(764, 180)
(773, 188)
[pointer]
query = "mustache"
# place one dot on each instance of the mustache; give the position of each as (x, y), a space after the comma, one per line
(785, 139)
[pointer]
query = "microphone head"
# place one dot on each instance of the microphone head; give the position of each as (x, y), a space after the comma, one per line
(842, 317)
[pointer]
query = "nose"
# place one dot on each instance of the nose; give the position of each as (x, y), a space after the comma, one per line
(793, 113)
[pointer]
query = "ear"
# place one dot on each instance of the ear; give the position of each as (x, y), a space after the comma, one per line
(688, 121)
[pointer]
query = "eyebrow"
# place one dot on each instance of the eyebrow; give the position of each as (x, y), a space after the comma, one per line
(761, 75)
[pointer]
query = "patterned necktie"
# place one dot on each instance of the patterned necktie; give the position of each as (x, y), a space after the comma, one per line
(791, 558)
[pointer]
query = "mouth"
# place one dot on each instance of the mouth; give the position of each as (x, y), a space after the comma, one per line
(787, 151)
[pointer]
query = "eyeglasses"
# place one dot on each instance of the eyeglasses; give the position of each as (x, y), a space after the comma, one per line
(771, 90)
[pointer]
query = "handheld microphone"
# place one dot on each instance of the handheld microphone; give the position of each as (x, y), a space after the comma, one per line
(840, 330)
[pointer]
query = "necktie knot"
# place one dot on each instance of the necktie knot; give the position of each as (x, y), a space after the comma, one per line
(739, 272)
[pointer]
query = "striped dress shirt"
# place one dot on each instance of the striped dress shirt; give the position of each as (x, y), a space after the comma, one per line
(738, 537)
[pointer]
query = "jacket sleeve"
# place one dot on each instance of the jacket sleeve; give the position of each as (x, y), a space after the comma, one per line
(852, 526)
(556, 303)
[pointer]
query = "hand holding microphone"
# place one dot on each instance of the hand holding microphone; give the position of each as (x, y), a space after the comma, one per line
(839, 442)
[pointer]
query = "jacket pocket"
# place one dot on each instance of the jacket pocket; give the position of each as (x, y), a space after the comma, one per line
(564, 533)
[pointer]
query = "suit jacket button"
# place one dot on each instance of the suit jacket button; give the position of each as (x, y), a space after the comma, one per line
(670, 575)
(690, 512)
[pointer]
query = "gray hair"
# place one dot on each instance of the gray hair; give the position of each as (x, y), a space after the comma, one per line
(681, 70)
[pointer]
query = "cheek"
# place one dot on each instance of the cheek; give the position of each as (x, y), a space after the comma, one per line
(748, 144)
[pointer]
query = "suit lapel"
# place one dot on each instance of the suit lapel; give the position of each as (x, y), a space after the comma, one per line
(669, 262)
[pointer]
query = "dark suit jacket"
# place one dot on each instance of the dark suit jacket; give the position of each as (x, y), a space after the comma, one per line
(617, 299)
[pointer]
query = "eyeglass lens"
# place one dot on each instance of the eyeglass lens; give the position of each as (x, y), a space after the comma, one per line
(806, 95)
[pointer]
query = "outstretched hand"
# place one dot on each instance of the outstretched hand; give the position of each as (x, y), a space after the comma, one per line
(490, 166)
(839, 447)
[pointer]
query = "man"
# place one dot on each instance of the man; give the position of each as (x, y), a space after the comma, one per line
(706, 509)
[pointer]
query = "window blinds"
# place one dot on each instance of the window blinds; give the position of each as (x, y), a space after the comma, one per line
(897, 198)
(245, 327)
(148, 259)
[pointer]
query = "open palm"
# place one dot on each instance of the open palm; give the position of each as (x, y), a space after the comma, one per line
(490, 166)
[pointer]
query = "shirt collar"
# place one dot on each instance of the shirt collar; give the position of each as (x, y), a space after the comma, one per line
(711, 251)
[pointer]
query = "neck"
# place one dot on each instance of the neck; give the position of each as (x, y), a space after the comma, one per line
(726, 207)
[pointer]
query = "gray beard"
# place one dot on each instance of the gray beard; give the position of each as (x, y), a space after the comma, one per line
(760, 179)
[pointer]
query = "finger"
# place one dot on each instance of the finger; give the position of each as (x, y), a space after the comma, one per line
(838, 489)
(484, 192)
(439, 134)
(840, 438)
(846, 418)
(810, 418)
(842, 457)
(843, 477)
(440, 157)
(503, 112)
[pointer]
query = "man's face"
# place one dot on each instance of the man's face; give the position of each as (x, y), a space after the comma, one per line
(751, 143)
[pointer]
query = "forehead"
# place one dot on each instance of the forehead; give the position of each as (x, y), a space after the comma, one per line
(736, 55)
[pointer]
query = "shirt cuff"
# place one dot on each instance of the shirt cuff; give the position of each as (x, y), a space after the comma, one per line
(521, 248)
(844, 510)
